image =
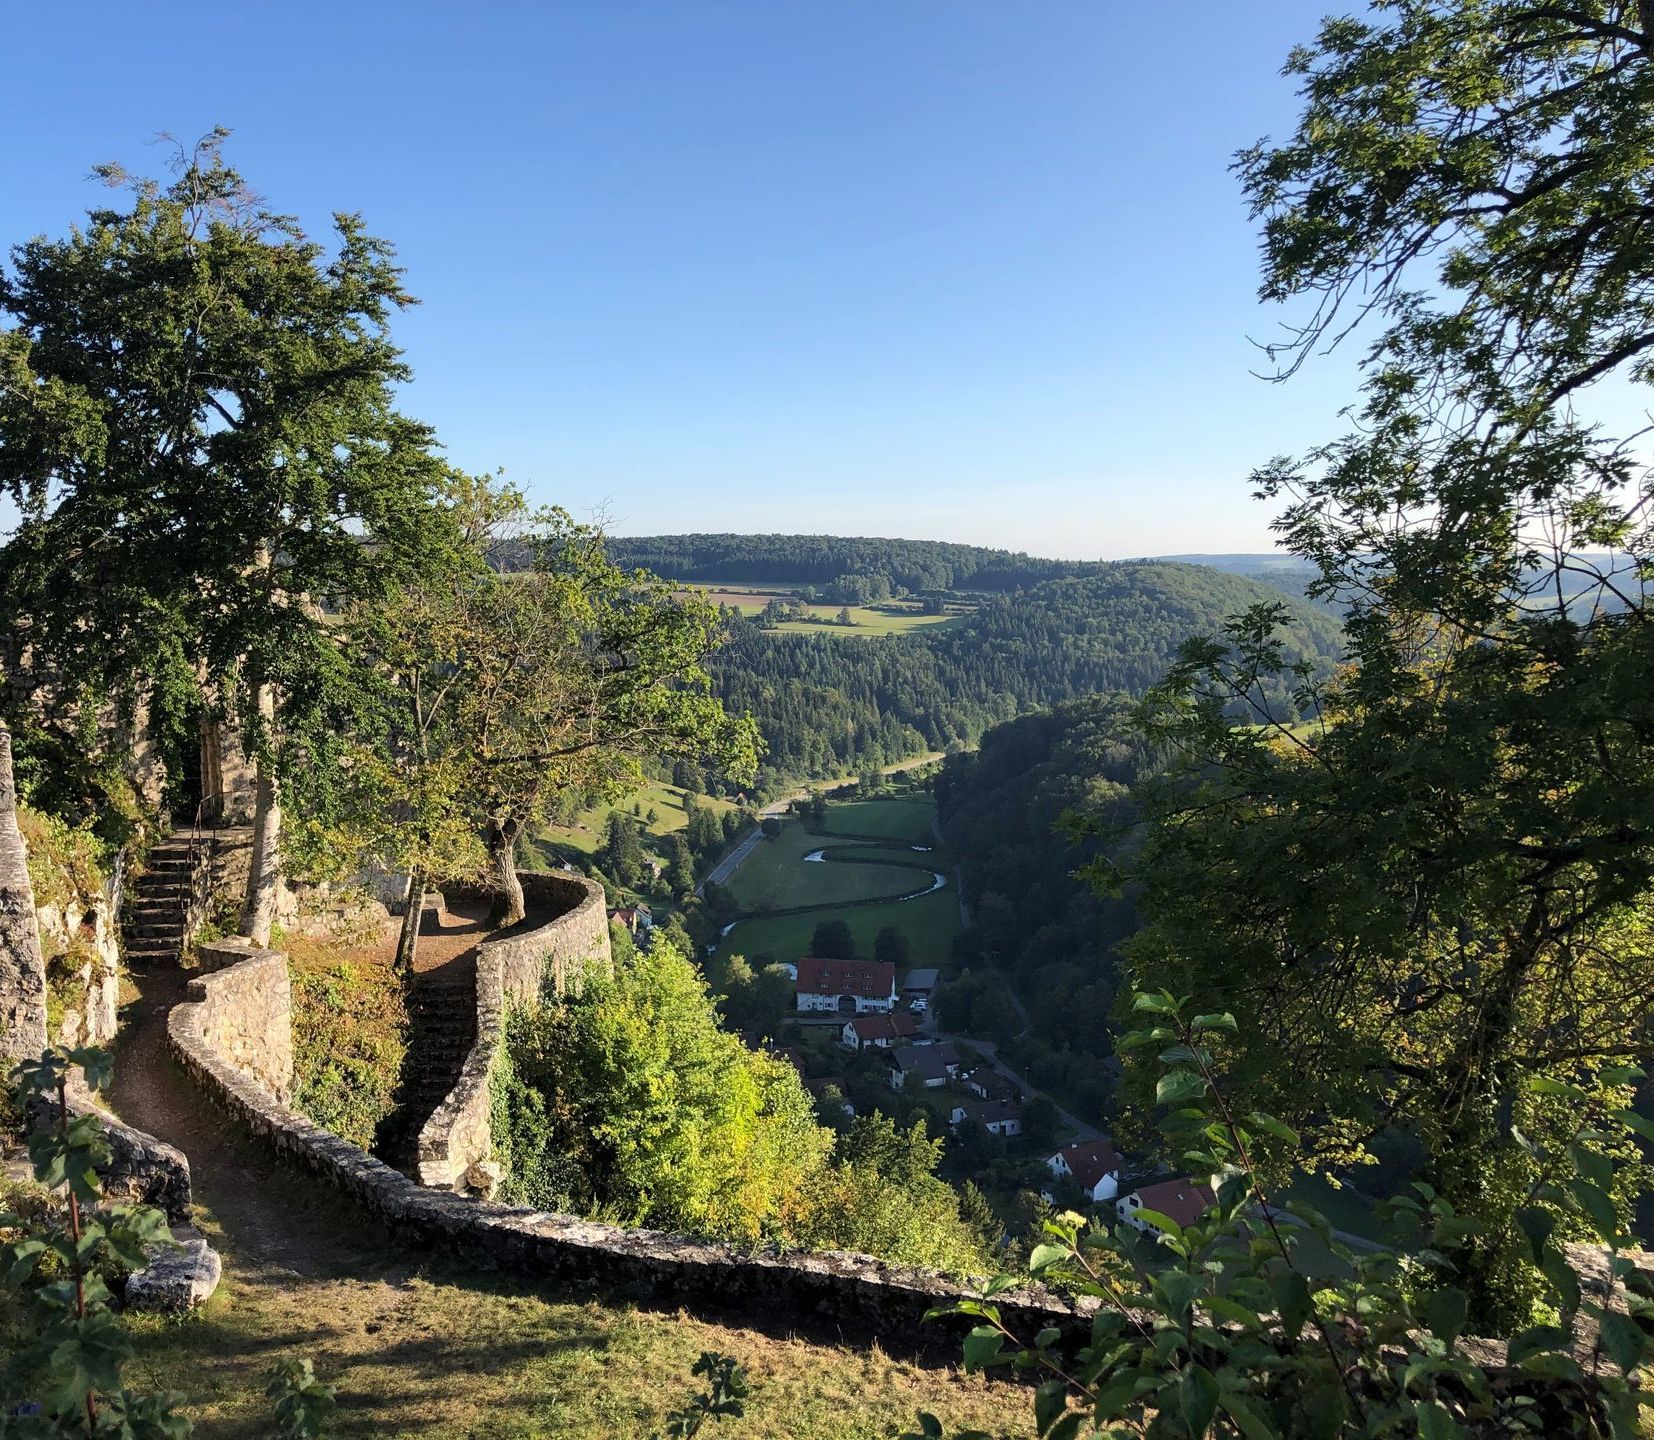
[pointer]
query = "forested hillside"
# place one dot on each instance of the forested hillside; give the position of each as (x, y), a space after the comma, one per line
(916, 565)
(1033, 924)
(827, 703)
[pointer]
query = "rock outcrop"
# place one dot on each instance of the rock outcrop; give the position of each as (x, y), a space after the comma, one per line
(22, 970)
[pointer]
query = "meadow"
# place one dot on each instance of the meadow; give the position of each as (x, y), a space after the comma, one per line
(893, 617)
(586, 834)
(855, 890)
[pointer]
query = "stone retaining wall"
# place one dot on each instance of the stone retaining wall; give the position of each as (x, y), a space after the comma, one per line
(141, 1170)
(850, 1294)
(519, 969)
(244, 1000)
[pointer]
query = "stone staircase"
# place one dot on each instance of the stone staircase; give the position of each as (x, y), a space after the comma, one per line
(153, 927)
(443, 1012)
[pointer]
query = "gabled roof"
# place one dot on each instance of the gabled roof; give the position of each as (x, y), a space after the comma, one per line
(997, 1086)
(1182, 1199)
(993, 1112)
(871, 978)
(883, 1027)
(928, 1061)
(1090, 1160)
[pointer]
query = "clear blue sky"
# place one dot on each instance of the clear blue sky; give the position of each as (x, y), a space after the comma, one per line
(959, 269)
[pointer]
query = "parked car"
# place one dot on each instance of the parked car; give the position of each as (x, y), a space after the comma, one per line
(919, 1006)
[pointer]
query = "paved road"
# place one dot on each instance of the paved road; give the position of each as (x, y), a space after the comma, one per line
(732, 861)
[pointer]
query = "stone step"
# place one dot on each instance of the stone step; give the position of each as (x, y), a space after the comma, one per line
(166, 955)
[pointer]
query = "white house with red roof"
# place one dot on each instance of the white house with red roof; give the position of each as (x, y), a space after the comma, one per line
(1182, 1199)
(1092, 1164)
(850, 987)
(879, 1032)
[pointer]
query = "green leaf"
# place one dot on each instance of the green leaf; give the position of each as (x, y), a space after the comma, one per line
(1599, 1205)
(984, 1346)
(1532, 1341)
(1537, 1224)
(1555, 1268)
(1271, 1126)
(1435, 1423)
(1161, 1222)
(1050, 1403)
(1247, 1421)
(1544, 1085)
(1179, 1288)
(1198, 1398)
(1641, 1124)
(1292, 1300)
(1045, 1256)
(1155, 1004)
(1595, 1167)
(1444, 1314)
(1178, 1087)
(1623, 1341)
(1220, 1021)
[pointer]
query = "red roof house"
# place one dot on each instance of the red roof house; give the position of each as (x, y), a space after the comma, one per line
(851, 987)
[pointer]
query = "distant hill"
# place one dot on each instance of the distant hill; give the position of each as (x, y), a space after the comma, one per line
(829, 703)
(915, 565)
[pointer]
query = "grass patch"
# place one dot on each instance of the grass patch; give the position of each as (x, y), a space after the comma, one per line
(427, 1352)
(586, 834)
(909, 819)
(777, 876)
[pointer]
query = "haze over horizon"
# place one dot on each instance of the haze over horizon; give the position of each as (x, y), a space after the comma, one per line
(943, 271)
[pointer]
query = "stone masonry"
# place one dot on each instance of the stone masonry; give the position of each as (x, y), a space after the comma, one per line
(517, 970)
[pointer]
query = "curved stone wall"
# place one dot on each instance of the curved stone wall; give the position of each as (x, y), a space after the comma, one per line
(867, 1298)
(521, 968)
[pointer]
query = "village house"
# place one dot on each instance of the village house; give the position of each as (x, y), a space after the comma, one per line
(923, 1066)
(879, 1032)
(987, 1083)
(1092, 1164)
(920, 984)
(637, 919)
(851, 987)
(997, 1117)
(1182, 1200)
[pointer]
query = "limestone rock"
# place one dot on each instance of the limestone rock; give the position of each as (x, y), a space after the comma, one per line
(176, 1280)
(484, 1177)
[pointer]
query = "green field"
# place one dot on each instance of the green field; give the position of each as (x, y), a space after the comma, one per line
(586, 834)
(849, 886)
(894, 617)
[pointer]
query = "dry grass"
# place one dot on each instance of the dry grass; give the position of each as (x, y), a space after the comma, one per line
(430, 1353)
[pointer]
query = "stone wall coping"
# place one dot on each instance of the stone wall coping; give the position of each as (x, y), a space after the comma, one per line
(456, 1135)
(858, 1293)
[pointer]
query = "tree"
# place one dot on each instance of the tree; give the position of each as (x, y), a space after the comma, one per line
(1040, 1119)
(197, 428)
(883, 1196)
(621, 854)
(1439, 895)
(772, 827)
(844, 616)
(891, 944)
(669, 1120)
(832, 940)
(534, 669)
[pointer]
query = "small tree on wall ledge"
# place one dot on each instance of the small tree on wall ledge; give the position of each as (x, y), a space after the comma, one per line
(529, 670)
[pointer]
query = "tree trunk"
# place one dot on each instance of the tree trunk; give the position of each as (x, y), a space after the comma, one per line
(264, 872)
(407, 943)
(22, 972)
(502, 859)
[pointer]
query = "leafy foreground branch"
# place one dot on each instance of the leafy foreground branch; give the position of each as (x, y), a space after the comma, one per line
(1258, 1323)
